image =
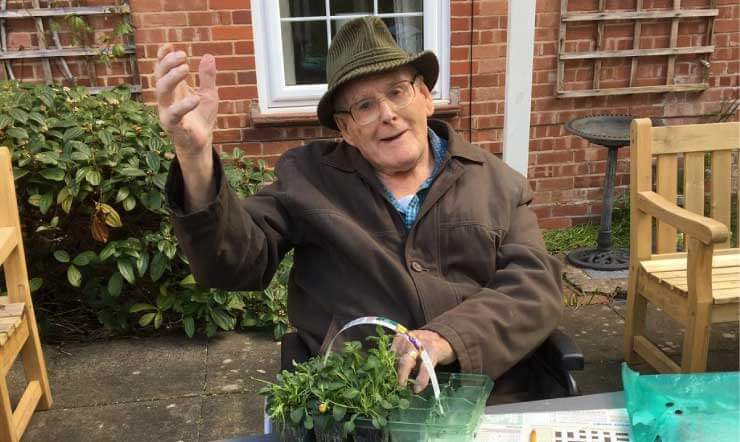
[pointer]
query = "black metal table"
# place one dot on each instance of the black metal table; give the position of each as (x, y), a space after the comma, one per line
(612, 132)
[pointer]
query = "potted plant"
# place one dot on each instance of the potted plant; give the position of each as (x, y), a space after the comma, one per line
(329, 395)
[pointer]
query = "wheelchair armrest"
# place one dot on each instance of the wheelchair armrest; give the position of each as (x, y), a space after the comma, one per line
(562, 351)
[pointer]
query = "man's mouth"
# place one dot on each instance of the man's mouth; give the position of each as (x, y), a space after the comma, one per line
(393, 137)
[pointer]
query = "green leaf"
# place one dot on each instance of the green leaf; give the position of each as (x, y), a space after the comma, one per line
(51, 158)
(157, 320)
(72, 133)
(403, 404)
(223, 320)
(165, 301)
(339, 413)
(351, 394)
(74, 276)
(5, 121)
(146, 319)
(152, 160)
(155, 199)
(348, 427)
(61, 256)
(84, 258)
(115, 284)
(35, 284)
(142, 263)
(46, 201)
(136, 308)
(188, 323)
(159, 264)
(188, 281)
(107, 251)
(19, 115)
(34, 200)
(131, 171)
(93, 177)
(129, 203)
(127, 270)
(122, 194)
(17, 133)
(296, 415)
(105, 137)
(54, 174)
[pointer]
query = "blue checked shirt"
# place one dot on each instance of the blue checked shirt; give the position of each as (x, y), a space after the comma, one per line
(408, 207)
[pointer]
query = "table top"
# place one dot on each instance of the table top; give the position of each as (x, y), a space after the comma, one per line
(586, 402)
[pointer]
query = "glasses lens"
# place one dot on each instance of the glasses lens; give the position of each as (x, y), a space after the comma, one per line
(368, 110)
(365, 111)
(400, 94)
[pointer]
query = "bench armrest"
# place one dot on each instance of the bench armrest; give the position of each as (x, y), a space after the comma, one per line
(706, 230)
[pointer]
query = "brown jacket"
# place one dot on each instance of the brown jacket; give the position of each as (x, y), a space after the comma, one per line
(473, 268)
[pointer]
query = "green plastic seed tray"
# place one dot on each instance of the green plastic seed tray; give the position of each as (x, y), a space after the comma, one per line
(462, 396)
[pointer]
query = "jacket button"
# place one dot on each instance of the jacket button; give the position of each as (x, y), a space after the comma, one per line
(415, 266)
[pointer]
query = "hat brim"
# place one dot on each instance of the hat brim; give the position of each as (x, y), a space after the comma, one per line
(425, 63)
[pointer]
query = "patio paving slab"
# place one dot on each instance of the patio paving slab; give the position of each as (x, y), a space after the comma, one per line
(165, 420)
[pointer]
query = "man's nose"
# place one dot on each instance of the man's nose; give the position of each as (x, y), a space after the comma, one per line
(387, 111)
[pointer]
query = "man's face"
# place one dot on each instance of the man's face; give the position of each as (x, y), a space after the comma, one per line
(396, 141)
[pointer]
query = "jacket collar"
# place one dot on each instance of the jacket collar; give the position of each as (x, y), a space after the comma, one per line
(349, 159)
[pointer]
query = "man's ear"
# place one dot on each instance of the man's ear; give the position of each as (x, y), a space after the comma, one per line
(343, 126)
(427, 95)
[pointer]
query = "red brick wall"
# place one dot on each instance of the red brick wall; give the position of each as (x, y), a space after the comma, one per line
(565, 171)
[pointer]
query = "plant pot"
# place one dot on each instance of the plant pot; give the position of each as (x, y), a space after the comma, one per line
(297, 433)
(331, 434)
(370, 435)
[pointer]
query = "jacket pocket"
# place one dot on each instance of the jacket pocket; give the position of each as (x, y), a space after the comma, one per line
(468, 253)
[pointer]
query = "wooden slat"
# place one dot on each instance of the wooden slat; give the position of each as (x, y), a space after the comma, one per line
(725, 312)
(733, 276)
(671, 299)
(638, 15)
(716, 285)
(721, 186)
(666, 265)
(63, 12)
(666, 186)
(12, 348)
(561, 46)
(726, 295)
(717, 272)
(50, 53)
(702, 228)
(136, 88)
(655, 356)
(4, 43)
(693, 188)
(708, 35)
(683, 254)
(637, 34)
(636, 53)
(26, 406)
(8, 241)
(696, 138)
(673, 42)
(695, 87)
(41, 37)
(599, 47)
(12, 310)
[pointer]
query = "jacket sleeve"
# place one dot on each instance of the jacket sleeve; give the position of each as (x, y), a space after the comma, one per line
(233, 243)
(496, 327)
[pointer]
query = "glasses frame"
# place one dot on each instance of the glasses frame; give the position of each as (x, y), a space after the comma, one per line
(383, 98)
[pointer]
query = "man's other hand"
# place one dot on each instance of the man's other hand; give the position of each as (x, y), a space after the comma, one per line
(439, 350)
(187, 114)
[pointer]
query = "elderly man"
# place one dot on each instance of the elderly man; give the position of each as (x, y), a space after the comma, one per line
(402, 218)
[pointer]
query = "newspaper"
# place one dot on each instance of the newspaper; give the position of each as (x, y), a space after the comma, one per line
(604, 425)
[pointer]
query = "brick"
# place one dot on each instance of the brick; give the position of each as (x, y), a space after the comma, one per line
(237, 32)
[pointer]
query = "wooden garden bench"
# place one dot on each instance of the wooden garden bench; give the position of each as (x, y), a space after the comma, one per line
(18, 332)
(697, 287)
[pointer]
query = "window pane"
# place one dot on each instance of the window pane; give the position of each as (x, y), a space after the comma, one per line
(304, 52)
(302, 8)
(408, 32)
(339, 7)
(391, 6)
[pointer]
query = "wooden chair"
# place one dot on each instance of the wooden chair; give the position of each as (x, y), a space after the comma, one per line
(18, 332)
(698, 287)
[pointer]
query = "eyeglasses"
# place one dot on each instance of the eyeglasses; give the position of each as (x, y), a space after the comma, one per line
(367, 110)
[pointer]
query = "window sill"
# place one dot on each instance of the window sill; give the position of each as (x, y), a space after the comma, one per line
(441, 110)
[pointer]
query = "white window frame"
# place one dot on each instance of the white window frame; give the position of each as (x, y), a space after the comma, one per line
(277, 97)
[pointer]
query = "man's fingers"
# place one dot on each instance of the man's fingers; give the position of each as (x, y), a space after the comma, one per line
(406, 363)
(207, 73)
(178, 110)
(164, 50)
(167, 85)
(169, 62)
(422, 380)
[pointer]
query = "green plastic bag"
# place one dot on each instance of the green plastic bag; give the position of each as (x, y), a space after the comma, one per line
(683, 407)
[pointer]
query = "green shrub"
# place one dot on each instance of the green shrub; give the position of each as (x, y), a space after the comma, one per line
(90, 174)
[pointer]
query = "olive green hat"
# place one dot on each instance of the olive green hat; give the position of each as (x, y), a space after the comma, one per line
(365, 46)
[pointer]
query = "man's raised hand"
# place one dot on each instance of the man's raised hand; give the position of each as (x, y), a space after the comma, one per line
(187, 114)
